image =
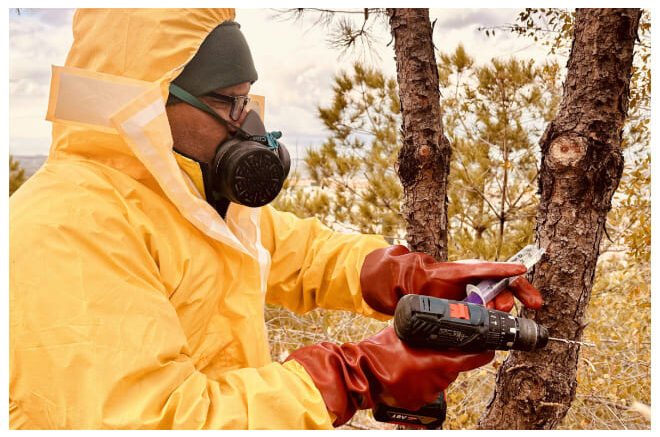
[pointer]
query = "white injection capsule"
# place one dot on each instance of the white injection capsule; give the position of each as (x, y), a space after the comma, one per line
(486, 290)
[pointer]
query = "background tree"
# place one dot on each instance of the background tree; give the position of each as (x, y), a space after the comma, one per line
(423, 163)
(623, 275)
(581, 167)
(16, 175)
(494, 113)
(553, 28)
(610, 393)
(355, 163)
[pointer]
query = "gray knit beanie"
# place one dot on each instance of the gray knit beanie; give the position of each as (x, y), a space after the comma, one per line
(223, 60)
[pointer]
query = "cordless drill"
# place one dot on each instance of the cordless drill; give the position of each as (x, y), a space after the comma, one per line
(441, 324)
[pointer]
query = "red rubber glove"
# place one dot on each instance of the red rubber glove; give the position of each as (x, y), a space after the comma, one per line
(392, 272)
(379, 369)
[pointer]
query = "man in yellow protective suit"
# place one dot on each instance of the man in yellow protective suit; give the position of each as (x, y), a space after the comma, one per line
(143, 251)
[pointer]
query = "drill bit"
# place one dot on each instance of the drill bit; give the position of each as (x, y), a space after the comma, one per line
(571, 341)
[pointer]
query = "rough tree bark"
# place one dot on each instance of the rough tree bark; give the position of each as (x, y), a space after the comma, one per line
(423, 163)
(581, 167)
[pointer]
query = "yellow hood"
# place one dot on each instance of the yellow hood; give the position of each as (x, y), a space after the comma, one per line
(107, 104)
(133, 50)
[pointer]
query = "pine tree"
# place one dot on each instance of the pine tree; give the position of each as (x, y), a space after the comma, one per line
(353, 171)
(358, 189)
(424, 160)
(494, 116)
(581, 166)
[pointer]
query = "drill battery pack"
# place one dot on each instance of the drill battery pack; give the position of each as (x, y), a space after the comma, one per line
(430, 416)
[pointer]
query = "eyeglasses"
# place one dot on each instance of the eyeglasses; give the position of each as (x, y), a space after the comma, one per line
(238, 103)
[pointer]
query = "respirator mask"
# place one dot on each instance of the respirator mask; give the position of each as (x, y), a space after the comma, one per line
(248, 169)
(251, 167)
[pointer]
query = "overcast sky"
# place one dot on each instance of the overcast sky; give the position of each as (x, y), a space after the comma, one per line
(294, 62)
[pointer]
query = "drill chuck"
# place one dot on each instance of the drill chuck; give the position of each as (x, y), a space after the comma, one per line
(441, 324)
(532, 335)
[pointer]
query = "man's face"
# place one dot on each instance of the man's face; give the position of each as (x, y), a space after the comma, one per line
(198, 134)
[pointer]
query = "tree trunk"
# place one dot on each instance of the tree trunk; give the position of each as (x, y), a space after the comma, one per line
(423, 163)
(581, 167)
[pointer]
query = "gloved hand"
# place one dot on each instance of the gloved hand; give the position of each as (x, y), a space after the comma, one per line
(381, 369)
(391, 272)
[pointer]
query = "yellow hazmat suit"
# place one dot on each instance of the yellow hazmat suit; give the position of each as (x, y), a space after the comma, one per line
(133, 304)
